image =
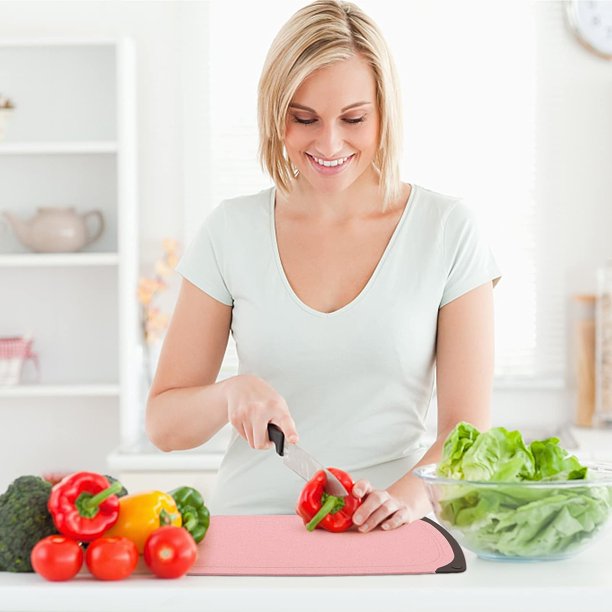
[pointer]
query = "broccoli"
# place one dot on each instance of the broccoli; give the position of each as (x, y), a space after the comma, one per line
(24, 520)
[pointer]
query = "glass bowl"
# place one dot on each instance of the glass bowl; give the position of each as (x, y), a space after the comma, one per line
(527, 520)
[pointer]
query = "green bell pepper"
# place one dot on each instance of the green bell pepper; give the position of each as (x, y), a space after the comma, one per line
(195, 514)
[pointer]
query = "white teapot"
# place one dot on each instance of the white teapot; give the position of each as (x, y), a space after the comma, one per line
(56, 229)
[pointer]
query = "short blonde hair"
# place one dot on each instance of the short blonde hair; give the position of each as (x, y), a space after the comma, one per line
(319, 34)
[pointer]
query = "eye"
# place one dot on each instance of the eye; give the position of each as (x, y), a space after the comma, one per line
(296, 119)
(303, 121)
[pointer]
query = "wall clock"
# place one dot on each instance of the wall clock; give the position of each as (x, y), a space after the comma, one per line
(591, 23)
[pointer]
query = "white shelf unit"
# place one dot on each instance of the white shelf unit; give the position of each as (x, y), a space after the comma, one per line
(48, 260)
(56, 148)
(49, 391)
(71, 141)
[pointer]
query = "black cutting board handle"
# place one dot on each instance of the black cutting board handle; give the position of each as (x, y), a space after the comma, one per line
(458, 562)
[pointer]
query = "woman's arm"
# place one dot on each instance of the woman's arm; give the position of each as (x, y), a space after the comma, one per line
(186, 407)
(464, 379)
(465, 360)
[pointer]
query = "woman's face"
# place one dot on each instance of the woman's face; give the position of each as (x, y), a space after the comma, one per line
(321, 126)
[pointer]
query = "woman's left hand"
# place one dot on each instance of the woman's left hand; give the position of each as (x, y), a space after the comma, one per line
(379, 508)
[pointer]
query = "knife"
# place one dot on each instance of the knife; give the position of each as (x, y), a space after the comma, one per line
(303, 464)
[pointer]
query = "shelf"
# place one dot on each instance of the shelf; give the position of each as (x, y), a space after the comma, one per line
(59, 148)
(58, 259)
(55, 41)
(94, 390)
(79, 149)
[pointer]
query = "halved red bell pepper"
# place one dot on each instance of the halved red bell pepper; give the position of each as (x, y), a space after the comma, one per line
(84, 506)
(320, 509)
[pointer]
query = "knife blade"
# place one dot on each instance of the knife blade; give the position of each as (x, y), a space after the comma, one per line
(301, 462)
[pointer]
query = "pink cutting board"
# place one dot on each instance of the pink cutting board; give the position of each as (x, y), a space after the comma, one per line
(280, 545)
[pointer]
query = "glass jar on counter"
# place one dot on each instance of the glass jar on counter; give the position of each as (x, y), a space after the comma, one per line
(584, 359)
(603, 347)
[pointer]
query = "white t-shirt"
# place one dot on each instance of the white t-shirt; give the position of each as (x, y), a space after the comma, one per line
(358, 381)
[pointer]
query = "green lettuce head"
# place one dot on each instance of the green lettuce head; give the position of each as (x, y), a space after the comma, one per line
(510, 519)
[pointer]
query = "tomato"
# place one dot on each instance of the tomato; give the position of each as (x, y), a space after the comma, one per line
(57, 557)
(170, 551)
(111, 558)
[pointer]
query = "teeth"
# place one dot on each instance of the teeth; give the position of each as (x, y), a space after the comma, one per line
(330, 164)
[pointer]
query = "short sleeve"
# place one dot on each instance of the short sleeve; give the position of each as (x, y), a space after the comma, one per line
(203, 262)
(468, 259)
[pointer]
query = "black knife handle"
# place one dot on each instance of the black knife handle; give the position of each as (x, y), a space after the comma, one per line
(275, 433)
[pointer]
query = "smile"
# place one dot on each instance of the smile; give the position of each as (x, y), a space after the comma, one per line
(333, 166)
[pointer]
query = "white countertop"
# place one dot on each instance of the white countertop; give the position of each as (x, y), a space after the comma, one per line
(593, 444)
(583, 582)
(143, 456)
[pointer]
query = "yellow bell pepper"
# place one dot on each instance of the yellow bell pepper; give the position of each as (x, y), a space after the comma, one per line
(142, 513)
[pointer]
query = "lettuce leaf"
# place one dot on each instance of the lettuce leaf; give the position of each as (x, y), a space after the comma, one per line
(513, 520)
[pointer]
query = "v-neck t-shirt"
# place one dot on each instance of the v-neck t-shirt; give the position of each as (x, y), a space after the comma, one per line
(358, 381)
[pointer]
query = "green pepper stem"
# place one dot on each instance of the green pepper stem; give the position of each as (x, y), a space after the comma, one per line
(166, 518)
(190, 521)
(330, 503)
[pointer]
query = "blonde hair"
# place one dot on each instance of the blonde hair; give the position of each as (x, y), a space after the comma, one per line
(319, 34)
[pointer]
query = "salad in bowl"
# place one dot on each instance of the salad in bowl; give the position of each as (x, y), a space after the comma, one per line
(504, 499)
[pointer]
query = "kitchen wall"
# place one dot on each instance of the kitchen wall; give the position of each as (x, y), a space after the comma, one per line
(574, 190)
(172, 111)
(574, 153)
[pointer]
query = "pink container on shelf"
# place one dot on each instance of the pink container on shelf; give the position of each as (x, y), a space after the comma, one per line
(14, 352)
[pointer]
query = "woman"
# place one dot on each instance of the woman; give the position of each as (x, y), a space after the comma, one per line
(342, 286)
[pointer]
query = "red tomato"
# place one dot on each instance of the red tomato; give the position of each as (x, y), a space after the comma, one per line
(111, 558)
(57, 558)
(170, 551)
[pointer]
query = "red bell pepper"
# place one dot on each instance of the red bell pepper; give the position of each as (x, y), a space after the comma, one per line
(84, 506)
(320, 509)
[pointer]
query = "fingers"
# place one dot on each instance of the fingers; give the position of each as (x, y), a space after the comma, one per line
(242, 432)
(259, 436)
(401, 517)
(383, 512)
(254, 435)
(361, 488)
(376, 507)
(287, 424)
(257, 432)
(251, 404)
(380, 508)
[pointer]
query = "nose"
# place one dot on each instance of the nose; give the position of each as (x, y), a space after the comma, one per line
(329, 141)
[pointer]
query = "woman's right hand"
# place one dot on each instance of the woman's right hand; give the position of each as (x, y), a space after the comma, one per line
(251, 404)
